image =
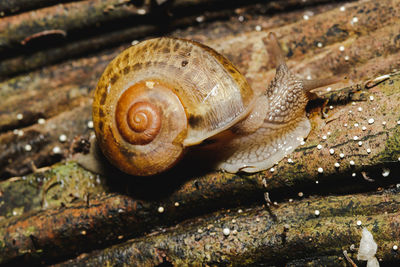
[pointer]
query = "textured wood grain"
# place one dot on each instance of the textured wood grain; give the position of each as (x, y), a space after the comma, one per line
(314, 47)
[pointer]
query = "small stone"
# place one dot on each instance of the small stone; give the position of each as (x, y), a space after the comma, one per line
(20, 116)
(359, 109)
(354, 174)
(354, 20)
(319, 147)
(90, 124)
(320, 170)
(341, 48)
(316, 212)
(28, 147)
(383, 123)
(300, 194)
(319, 44)
(141, 11)
(241, 18)
(258, 28)
(272, 169)
(240, 210)
(331, 151)
(62, 138)
(368, 150)
(371, 97)
(360, 143)
(364, 128)
(337, 165)
(395, 247)
(342, 8)
(160, 209)
(290, 160)
(200, 19)
(359, 223)
(328, 89)
(306, 17)
(355, 138)
(226, 231)
(346, 58)
(341, 155)
(324, 137)
(371, 121)
(176, 204)
(41, 121)
(56, 150)
(352, 163)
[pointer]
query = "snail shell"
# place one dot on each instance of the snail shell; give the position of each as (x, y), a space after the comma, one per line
(162, 95)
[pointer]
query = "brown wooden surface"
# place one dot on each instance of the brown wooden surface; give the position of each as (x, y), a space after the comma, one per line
(36, 207)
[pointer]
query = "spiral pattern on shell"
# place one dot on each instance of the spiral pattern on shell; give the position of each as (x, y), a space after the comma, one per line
(162, 95)
(138, 123)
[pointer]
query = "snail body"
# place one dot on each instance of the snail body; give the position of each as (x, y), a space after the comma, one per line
(163, 95)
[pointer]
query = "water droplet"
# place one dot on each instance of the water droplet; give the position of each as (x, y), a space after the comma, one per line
(385, 172)
(226, 231)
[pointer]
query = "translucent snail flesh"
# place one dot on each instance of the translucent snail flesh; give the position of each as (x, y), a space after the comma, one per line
(163, 95)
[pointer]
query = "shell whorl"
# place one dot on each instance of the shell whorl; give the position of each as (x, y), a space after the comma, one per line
(138, 122)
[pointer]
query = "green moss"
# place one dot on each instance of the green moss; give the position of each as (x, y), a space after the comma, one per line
(62, 183)
(31, 230)
(392, 148)
(391, 86)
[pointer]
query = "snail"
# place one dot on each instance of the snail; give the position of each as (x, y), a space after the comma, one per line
(163, 95)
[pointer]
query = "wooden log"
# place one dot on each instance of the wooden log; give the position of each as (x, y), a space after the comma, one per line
(20, 29)
(253, 237)
(26, 61)
(69, 85)
(64, 18)
(42, 144)
(8, 7)
(201, 193)
(23, 63)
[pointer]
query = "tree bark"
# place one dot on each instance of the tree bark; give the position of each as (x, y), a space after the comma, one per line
(63, 210)
(206, 193)
(66, 39)
(69, 85)
(256, 237)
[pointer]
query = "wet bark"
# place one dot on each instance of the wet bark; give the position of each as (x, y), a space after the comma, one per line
(255, 237)
(55, 213)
